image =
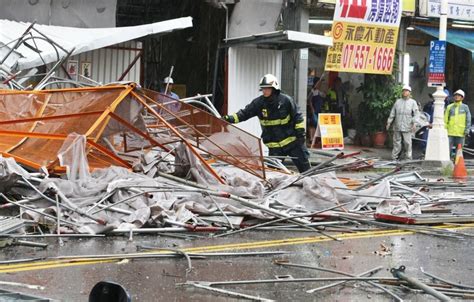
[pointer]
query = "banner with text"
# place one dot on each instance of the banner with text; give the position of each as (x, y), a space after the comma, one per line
(457, 9)
(409, 6)
(365, 36)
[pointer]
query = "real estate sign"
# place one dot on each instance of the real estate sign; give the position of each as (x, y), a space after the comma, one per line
(365, 34)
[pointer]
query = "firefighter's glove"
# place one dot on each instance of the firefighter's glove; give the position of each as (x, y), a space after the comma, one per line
(300, 132)
(228, 118)
(301, 140)
(300, 136)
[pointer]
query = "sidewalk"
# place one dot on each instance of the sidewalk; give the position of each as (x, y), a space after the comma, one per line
(370, 152)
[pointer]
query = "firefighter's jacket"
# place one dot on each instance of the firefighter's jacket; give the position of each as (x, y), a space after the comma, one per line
(282, 123)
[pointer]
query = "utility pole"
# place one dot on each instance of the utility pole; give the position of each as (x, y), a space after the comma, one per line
(437, 148)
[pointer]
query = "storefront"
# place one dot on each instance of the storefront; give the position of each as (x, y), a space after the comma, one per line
(320, 23)
(459, 63)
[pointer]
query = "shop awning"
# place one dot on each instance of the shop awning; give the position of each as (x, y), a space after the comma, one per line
(38, 51)
(285, 39)
(460, 38)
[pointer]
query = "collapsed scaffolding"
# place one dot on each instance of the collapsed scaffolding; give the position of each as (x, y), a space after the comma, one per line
(33, 121)
(73, 131)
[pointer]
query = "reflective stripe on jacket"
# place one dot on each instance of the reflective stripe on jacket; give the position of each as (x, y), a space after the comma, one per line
(280, 119)
(457, 119)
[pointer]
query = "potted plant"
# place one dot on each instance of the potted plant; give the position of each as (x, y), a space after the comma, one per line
(380, 93)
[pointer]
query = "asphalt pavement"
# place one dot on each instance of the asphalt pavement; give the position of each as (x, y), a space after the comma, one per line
(156, 279)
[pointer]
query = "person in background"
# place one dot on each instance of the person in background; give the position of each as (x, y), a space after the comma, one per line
(168, 81)
(448, 99)
(337, 98)
(403, 115)
(281, 121)
(428, 109)
(457, 119)
(166, 89)
(315, 104)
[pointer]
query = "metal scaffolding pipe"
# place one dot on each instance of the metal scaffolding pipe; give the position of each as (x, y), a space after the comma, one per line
(400, 274)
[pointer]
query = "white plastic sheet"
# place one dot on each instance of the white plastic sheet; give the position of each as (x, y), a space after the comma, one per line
(9, 166)
(397, 206)
(73, 156)
(325, 190)
(10, 173)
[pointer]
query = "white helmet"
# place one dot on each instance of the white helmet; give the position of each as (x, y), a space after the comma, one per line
(269, 81)
(406, 87)
(168, 80)
(460, 92)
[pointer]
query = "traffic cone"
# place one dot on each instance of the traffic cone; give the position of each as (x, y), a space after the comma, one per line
(459, 172)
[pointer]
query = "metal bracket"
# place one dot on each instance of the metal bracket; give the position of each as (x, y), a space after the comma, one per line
(395, 271)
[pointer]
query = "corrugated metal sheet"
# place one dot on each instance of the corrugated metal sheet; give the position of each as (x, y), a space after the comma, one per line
(246, 68)
(108, 64)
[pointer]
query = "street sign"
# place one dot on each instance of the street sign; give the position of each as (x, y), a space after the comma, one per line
(437, 63)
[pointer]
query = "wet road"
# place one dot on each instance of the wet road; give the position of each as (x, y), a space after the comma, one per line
(155, 279)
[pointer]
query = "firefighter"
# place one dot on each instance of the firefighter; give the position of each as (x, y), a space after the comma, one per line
(282, 124)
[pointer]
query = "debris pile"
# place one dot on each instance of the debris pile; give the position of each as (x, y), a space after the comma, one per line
(65, 134)
(115, 200)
